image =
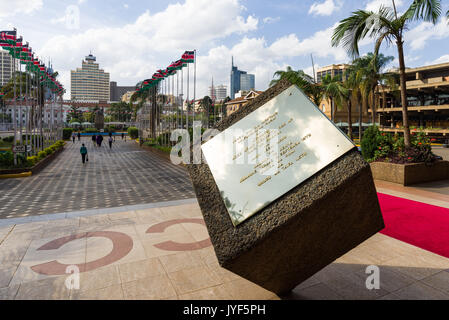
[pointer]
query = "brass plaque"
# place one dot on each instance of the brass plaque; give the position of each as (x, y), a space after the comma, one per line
(271, 151)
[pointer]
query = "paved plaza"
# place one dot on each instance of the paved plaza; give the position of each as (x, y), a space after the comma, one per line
(163, 251)
(125, 175)
(128, 222)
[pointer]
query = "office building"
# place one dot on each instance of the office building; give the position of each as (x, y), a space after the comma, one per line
(218, 93)
(90, 83)
(247, 82)
(6, 67)
(335, 70)
(117, 92)
(221, 92)
(240, 80)
(427, 99)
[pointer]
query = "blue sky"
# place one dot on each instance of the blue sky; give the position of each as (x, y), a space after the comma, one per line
(132, 39)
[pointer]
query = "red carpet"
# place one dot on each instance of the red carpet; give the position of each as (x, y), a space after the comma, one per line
(422, 225)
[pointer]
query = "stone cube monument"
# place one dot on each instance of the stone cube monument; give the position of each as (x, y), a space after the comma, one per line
(287, 194)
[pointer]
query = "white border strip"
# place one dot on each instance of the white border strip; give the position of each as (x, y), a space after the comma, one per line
(92, 212)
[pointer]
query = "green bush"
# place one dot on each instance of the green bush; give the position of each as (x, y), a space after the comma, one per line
(6, 159)
(9, 139)
(41, 155)
(133, 132)
(67, 133)
(164, 138)
(33, 160)
(90, 130)
(370, 142)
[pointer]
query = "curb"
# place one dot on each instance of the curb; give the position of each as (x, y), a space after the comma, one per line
(16, 175)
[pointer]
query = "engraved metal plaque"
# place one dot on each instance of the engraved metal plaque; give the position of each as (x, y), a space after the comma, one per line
(271, 151)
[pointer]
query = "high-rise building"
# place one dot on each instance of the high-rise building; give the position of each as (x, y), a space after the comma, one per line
(239, 77)
(90, 83)
(221, 92)
(6, 67)
(218, 93)
(117, 92)
(247, 82)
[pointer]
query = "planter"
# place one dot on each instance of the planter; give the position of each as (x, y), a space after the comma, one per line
(412, 173)
(158, 152)
(36, 168)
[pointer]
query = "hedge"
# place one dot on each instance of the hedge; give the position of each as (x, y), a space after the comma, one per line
(133, 132)
(67, 133)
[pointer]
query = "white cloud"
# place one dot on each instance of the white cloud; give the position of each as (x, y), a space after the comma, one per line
(374, 5)
(81, 1)
(256, 56)
(418, 37)
(126, 6)
(442, 59)
(19, 7)
(325, 8)
(125, 51)
(319, 44)
(269, 20)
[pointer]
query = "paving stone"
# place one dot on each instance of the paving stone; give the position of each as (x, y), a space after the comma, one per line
(66, 185)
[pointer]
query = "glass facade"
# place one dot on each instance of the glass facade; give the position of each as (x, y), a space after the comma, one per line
(247, 82)
(240, 80)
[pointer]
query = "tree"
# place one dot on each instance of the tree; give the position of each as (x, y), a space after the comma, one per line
(386, 25)
(75, 114)
(302, 80)
(335, 91)
(120, 112)
(206, 104)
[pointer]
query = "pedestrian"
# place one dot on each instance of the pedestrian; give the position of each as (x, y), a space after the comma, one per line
(94, 139)
(98, 140)
(79, 135)
(73, 137)
(83, 151)
(123, 134)
(101, 140)
(110, 142)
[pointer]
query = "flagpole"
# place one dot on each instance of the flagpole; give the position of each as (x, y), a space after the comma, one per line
(194, 83)
(14, 97)
(182, 97)
(188, 96)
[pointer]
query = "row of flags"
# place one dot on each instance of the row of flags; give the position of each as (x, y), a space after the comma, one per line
(17, 49)
(159, 75)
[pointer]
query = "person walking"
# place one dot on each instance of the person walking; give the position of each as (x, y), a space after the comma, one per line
(83, 151)
(79, 135)
(94, 139)
(123, 134)
(73, 137)
(110, 142)
(100, 140)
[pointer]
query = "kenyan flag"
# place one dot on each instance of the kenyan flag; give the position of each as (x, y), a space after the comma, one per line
(8, 37)
(188, 57)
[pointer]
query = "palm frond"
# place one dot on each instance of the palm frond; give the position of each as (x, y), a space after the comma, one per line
(427, 10)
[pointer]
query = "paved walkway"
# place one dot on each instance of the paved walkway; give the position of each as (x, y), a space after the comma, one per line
(125, 175)
(162, 251)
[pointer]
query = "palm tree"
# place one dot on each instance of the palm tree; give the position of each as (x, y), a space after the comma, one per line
(302, 80)
(387, 24)
(335, 91)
